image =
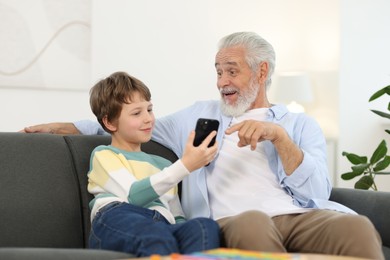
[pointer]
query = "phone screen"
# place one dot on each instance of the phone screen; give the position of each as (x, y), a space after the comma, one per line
(204, 126)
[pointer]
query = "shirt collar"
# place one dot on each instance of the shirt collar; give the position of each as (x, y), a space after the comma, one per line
(278, 111)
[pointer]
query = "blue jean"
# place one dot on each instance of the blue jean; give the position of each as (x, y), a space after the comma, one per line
(128, 228)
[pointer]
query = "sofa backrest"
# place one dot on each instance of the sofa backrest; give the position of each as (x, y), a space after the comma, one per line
(39, 198)
(81, 148)
(43, 188)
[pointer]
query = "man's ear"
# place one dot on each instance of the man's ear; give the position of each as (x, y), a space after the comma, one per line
(263, 72)
(108, 124)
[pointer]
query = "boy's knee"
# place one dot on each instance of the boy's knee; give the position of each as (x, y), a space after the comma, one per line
(208, 224)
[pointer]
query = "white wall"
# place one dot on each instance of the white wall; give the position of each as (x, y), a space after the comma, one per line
(171, 44)
(364, 69)
(23, 107)
(44, 61)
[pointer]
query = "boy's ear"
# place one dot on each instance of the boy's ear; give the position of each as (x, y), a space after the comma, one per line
(108, 124)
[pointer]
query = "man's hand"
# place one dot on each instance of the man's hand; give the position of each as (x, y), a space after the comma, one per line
(250, 132)
(52, 128)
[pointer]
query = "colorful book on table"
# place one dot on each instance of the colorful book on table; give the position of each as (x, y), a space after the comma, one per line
(230, 254)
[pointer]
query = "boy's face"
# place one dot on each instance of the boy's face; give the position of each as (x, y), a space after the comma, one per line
(135, 124)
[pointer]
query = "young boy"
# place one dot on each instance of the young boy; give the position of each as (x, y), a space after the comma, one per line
(136, 208)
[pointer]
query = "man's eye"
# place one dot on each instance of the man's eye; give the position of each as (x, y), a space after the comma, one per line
(232, 72)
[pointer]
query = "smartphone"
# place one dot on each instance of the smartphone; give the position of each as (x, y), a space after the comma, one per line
(204, 126)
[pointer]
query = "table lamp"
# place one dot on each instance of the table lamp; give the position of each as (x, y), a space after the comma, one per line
(293, 89)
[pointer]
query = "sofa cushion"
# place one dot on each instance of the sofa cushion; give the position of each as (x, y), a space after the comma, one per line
(81, 148)
(39, 198)
(60, 254)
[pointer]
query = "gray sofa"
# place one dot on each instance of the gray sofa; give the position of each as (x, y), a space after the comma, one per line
(44, 210)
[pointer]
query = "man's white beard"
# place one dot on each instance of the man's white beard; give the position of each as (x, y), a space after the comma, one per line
(243, 103)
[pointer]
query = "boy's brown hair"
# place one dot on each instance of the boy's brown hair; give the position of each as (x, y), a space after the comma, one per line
(109, 94)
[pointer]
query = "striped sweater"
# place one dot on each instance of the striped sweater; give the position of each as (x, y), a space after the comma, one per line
(138, 178)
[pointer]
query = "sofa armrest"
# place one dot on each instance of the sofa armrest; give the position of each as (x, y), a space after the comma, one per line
(373, 204)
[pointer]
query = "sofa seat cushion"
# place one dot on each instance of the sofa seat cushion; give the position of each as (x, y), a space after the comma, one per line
(59, 254)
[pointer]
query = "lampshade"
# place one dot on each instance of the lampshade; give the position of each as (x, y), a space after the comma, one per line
(293, 87)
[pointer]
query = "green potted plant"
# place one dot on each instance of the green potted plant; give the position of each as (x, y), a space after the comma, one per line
(379, 161)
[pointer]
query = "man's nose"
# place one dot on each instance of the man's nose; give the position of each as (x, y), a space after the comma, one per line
(223, 81)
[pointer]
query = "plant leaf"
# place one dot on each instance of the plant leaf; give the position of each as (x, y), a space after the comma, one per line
(360, 168)
(387, 131)
(385, 90)
(349, 175)
(379, 152)
(383, 164)
(380, 113)
(364, 183)
(355, 159)
(382, 173)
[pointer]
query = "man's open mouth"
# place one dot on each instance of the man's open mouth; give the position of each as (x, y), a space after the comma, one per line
(228, 92)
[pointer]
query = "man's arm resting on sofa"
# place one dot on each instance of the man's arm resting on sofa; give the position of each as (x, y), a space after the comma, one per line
(52, 128)
(85, 127)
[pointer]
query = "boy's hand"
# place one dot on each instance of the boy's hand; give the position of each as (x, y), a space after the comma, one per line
(195, 157)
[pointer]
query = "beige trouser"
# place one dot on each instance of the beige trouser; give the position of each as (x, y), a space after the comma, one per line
(317, 231)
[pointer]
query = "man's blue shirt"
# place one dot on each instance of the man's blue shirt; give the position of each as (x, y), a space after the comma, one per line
(309, 185)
